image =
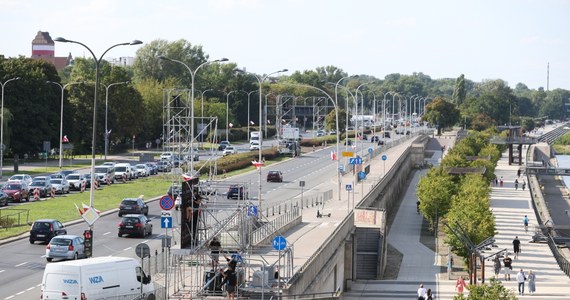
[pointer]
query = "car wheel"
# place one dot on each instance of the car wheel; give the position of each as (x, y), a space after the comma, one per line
(120, 214)
(49, 259)
(119, 235)
(31, 241)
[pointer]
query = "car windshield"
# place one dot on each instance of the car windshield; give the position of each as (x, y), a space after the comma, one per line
(273, 172)
(72, 177)
(17, 177)
(131, 220)
(38, 183)
(141, 167)
(41, 225)
(121, 169)
(12, 187)
(100, 170)
(56, 181)
(129, 202)
(60, 242)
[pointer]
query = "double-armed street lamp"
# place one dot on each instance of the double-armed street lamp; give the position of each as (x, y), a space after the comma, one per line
(192, 78)
(260, 80)
(2, 126)
(107, 112)
(62, 87)
(97, 62)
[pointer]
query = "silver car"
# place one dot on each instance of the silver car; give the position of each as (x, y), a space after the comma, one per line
(61, 186)
(65, 247)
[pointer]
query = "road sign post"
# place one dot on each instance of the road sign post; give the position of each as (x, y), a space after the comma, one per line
(302, 185)
(384, 158)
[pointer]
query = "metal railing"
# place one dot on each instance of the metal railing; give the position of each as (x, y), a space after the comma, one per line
(269, 229)
(14, 217)
(563, 263)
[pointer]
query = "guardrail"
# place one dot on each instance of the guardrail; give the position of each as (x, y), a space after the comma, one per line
(264, 233)
(563, 263)
(14, 217)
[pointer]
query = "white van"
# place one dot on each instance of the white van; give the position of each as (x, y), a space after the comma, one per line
(123, 169)
(96, 278)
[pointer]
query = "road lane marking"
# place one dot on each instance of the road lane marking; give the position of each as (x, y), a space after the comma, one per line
(29, 289)
(10, 297)
(2, 271)
(19, 293)
(106, 233)
(127, 248)
(19, 265)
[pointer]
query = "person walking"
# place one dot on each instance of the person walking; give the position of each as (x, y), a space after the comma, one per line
(501, 181)
(531, 282)
(507, 266)
(460, 285)
(516, 246)
(523, 184)
(521, 278)
(519, 173)
(516, 184)
(497, 266)
(429, 295)
(525, 223)
(422, 292)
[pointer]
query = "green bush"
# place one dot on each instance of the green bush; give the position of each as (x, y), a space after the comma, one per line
(240, 160)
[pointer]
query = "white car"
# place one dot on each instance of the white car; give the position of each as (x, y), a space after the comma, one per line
(142, 170)
(27, 179)
(254, 146)
(61, 185)
(230, 150)
(166, 156)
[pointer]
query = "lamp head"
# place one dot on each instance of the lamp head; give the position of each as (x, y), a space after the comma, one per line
(62, 40)
(223, 59)
(135, 42)
(284, 70)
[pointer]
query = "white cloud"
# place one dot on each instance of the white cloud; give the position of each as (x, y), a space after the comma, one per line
(407, 22)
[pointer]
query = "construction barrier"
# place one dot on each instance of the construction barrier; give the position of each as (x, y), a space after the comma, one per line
(96, 184)
(52, 192)
(36, 194)
(83, 185)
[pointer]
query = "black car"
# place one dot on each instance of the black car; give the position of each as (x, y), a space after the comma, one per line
(3, 198)
(237, 192)
(274, 176)
(174, 190)
(133, 225)
(386, 134)
(43, 186)
(44, 230)
(223, 145)
(133, 206)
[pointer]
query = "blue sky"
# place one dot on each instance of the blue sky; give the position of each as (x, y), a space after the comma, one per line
(483, 39)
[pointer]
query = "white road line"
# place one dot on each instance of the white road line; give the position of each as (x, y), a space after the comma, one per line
(19, 293)
(127, 248)
(29, 289)
(106, 233)
(2, 271)
(19, 265)
(10, 297)
(43, 256)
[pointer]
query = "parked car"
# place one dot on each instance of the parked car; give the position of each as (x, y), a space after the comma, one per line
(123, 169)
(87, 181)
(41, 178)
(56, 176)
(75, 181)
(3, 198)
(65, 247)
(66, 172)
(43, 186)
(17, 191)
(166, 156)
(274, 176)
(163, 166)
(223, 145)
(237, 192)
(107, 173)
(134, 173)
(21, 178)
(61, 186)
(152, 167)
(133, 206)
(229, 150)
(135, 224)
(142, 170)
(44, 230)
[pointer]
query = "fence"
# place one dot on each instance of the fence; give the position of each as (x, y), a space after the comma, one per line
(14, 217)
(560, 259)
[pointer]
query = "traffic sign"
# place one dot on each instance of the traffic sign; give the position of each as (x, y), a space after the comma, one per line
(370, 150)
(349, 187)
(252, 211)
(165, 222)
(142, 250)
(355, 161)
(362, 175)
(166, 202)
(279, 243)
(347, 153)
(302, 183)
(384, 157)
(341, 169)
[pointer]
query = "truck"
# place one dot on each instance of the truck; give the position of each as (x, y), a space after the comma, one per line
(97, 278)
(290, 133)
(254, 136)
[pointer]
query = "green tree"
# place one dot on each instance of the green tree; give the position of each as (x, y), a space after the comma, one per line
(459, 92)
(434, 192)
(441, 113)
(330, 120)
(494, 290)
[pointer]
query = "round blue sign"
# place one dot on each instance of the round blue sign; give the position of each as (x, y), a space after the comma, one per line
(384, 157)
(279, 243)
(166, 202)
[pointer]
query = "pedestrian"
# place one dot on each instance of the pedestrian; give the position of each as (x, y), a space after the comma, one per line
(422, 292)
(524, 184)
(531, 282)
(460, 285)
(496, 181)
(521, 278)
(215, 247)
(516, 184)
(519, 173)
(507, 266)
(497, 266)
(525, 223)
(501, 181)
(516, 247)
(230, 280)
(429, 295)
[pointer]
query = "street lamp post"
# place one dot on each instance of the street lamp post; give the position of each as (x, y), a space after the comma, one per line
(2, 126)
(62, 87)
(192, 77)
(260, 81)
(107, 112)
(93, 141)
(248, 119)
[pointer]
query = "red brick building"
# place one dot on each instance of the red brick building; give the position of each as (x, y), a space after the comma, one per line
(43, 47)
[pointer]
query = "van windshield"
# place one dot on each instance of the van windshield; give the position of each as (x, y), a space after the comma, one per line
(121, 169)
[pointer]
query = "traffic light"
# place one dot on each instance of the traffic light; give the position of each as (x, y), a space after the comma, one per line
(88, 242)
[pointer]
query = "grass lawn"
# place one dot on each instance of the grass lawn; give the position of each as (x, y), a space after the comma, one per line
(106, 198)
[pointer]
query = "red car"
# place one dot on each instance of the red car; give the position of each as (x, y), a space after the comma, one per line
(275, 176)
(17, 191)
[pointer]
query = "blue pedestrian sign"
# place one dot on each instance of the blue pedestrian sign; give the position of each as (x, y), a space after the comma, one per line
(370, 150)
(165, 222)
(252, 211)
(384, 157)
(349, 187)
(279, 243)
(362, 175)
(166, 202)
(355, 160)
